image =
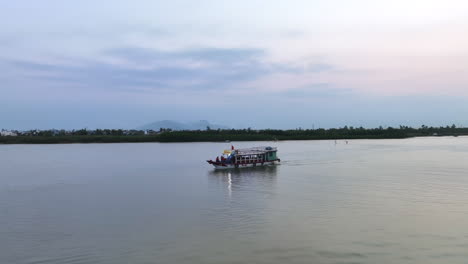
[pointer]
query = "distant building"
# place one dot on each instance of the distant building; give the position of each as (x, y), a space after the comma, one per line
(5, 133)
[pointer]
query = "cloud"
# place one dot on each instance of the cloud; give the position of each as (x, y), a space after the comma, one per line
(133, 68)
(304, 67)
(140, 69)
(318, 90)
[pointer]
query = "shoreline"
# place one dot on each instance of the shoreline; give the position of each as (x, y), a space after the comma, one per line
(16, 140)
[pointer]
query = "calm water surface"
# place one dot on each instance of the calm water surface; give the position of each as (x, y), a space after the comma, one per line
(369, 201)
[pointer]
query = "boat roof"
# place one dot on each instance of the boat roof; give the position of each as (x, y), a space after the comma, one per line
(255, 150)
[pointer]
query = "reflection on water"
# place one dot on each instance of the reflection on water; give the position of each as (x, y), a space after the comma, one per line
(369, 201)
(236, 179)
(248, 171)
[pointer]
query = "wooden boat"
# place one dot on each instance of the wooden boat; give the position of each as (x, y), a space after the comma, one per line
(248, 157)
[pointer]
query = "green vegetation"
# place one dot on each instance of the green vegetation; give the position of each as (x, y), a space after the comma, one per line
(167, 135)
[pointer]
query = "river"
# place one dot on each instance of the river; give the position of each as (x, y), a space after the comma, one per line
(368, 201)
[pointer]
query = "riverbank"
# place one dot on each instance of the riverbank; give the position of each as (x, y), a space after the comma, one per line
(234, 135)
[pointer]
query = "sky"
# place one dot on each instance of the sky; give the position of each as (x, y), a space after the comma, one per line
(245, 63)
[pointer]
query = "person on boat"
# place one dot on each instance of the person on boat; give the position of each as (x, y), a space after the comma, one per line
(217, 159)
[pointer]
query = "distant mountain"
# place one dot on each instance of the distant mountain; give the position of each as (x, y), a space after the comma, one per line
(174, 125)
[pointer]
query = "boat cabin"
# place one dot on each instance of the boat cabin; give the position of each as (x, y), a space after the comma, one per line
(254, 155)
(248, 157)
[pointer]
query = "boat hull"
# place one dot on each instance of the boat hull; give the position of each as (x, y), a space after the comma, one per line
(223, 166)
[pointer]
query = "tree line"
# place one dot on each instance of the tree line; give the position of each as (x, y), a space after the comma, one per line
(219, 135)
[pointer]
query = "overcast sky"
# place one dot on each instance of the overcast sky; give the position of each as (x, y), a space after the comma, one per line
(244, 63)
